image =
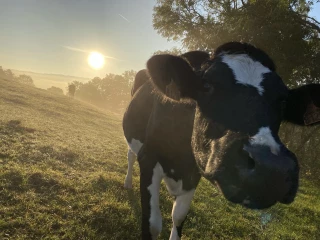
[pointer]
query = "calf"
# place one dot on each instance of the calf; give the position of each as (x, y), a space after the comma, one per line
(220, 122)
(136, 119)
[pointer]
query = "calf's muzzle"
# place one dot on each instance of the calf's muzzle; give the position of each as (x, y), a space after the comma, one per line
(271, 177)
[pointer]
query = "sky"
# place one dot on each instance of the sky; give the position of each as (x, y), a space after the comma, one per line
(56, 36)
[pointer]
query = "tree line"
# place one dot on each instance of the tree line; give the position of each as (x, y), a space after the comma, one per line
(111, 92)
(7, 74)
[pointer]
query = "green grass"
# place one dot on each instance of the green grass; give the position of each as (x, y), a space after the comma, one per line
(62, 166)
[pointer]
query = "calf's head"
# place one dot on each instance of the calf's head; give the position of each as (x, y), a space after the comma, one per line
(241, 101)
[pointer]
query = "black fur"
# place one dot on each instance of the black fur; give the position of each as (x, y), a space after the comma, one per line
(196, 58)
(138, 112)
(302, 101)
(162, 68)
(141, 77)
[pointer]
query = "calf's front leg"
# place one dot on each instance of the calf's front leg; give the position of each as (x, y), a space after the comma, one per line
(150, 180)
(180, 210)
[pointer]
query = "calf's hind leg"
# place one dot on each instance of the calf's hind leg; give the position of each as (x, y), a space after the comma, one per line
(131, 160)
(134, 147)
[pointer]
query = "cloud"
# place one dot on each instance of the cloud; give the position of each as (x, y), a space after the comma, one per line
(124, 17)
(76, 49)
(87, 51)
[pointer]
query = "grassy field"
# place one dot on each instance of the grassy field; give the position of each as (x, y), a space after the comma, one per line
(62, 166)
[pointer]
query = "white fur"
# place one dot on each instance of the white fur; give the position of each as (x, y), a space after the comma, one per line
(134, 148)
(154, 189)
(173, 187)
(246, 70)
(135, 145)
(131, 160)
(264, 137)
(180, 210)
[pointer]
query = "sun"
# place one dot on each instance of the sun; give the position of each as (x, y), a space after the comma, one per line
(96, 60)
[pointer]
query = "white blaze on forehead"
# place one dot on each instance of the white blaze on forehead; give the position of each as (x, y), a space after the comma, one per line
(246, 70)
(265, 138)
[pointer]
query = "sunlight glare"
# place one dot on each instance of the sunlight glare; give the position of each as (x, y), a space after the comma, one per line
(96, 60)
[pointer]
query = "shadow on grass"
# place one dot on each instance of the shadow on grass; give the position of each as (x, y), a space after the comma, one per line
(119, 218)
(14, 126)
(12, 180)
(113, 222)
(134, 201)
(60, 153)
(43, 184)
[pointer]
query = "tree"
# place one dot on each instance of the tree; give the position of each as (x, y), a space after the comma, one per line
(174, 51)
(77, 84)
(280, 27)
(9, 74)
(2, 73)
(55, 90)
(129, 76)
(25, 79)
(71, 90)
(111, 92)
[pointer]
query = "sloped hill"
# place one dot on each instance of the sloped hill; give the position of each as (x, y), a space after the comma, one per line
(62, 166)
(60, 162)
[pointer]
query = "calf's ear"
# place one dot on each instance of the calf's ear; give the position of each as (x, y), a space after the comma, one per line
(303, 105)
(168, 70)
(196, 58)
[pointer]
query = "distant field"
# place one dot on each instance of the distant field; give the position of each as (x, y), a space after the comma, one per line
(44, 80)
(62, 166)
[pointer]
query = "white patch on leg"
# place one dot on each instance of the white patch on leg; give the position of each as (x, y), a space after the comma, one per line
(155, 213)
(180, 210)
(174, 187)
(134, 148)
(131, 160)
(246, 70)
(264, 137)
(135, 145)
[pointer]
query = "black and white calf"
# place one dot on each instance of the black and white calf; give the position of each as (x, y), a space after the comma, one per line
(135, 121)
(222, 124)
